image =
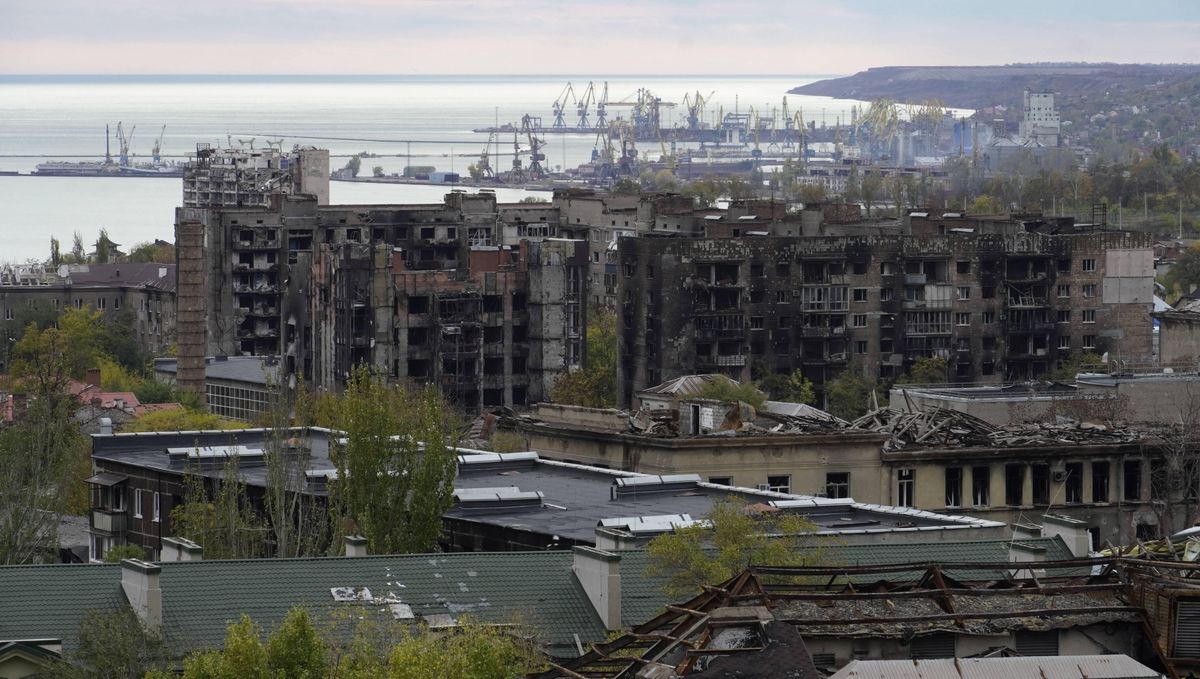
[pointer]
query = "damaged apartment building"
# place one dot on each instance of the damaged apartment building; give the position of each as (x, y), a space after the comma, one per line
(474, 296)
(995, 307)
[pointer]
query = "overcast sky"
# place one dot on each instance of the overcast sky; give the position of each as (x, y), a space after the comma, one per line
(581, 36)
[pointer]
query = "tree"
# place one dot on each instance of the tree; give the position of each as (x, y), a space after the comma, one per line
(377, 171)
(627, 186)
(984, 205)
(223, 520)
(299, 526)
(1175, 477)
(295, 650)
(729, 390)
(54, 354)
(55, 252)
(1184, 275)
(811, 193)
(925, 370)
(595, 386)
(794, 388)
(396, 468)
(473, 651)
(533, 200)
(78, 254)
(105, 248)
(114, 645)
(733, 536)
(121, 552)
(159, 252)
(870, 188)
(1068, 369)
(848, 396)
(354, 165)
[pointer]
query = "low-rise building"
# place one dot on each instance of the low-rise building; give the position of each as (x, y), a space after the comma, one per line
(137, 295)
(237, 387)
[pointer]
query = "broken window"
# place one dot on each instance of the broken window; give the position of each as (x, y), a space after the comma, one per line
(1041, 484)
(1133, 480)
(837, 485)
(1014, 484)
(1073, 484)
(980, 486)
(417, 337)
(418, 305)
(1099, 482)
(781, 483)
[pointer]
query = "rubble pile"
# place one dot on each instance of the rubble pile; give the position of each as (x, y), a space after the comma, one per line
(943, 427)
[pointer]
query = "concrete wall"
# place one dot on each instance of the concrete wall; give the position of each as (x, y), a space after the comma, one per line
(1179, 337)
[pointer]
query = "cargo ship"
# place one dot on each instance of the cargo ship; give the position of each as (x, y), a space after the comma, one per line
(108, 168)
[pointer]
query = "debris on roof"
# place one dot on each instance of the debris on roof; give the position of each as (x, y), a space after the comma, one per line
(945, 427)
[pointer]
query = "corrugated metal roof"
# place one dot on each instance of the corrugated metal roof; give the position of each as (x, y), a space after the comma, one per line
(1042, 667)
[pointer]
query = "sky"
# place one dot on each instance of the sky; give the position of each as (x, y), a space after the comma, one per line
(785, 37)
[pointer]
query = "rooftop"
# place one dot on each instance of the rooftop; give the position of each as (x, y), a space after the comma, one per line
(576, 499)
(1043, 667)
(121, 274)
(250, 369)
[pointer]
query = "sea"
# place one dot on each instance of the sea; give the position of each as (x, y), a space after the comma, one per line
(402, 120)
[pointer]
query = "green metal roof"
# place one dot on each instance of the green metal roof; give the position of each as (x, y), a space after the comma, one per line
(534, 588)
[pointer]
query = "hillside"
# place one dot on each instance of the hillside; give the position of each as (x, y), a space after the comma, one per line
(981, 86)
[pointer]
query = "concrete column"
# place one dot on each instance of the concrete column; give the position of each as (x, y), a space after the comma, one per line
(181, 549)
(356, 545)
(139, 580)
(599, 573)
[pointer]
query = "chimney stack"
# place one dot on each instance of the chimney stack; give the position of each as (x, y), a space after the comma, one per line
(106, 426)
(139, 579)
(92, 377)
(1073, 532)
(181, 549)
(356, 545)
(191, 305)
(599, 573)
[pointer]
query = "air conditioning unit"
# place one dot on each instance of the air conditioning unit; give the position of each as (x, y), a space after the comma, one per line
(764, 486)
(1060, 475)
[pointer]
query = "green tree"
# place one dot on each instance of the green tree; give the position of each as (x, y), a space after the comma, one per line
(159, 252)
(871, 188)
(377, 171)
(295, 650)
(811, 193)
(595, 386)
(114, 645)
(55, 252)
(128, 551)
(627, 186)
(731, 390)
(984, 205)
(533, 200)
(732, 537)
(925, 370)
(78, 254)
(794, 388)
(396, 467)
(1184, 275)
(473, 651)
(848, 396)
(54, 354)
(222, 519)
(105, 248)
(354, 165)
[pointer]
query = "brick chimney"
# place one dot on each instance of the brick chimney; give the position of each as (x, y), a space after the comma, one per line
(92, 377)
(191, 323)
(356, 545)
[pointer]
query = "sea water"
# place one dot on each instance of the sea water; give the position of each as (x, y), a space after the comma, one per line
(404, 120)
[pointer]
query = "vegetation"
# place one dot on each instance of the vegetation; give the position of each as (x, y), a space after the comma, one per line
(595, 386)
(158, 252)
(181, 419)
(223, 520)
(114, 645)
(534, 200)
(120, 552)
(354, 166)
(1077, 364)
(730, 390)
(794, 388)
(848, 396)
(296, 650)
(733, 537)
(925, 370)
(396, 468)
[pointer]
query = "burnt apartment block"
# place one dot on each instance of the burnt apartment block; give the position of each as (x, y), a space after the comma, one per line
(996, 307)
(474, 296)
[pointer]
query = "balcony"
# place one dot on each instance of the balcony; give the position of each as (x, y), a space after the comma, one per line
(112, 521)
(731, 360)
(914, 279)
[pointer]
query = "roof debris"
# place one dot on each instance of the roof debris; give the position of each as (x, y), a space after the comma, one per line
(944, 427)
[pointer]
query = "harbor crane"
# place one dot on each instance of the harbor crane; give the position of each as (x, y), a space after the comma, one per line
(695, 108)
(589, 96)
(484, 167)
(124, 140)
(156, 153)
(536, 157)
(601, 106)
(560, 105)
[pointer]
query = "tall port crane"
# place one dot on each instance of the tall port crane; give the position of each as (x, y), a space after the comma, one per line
(156, 153)
(124, 139)
(601, 106)
(560, 104)
(581, 109)
(536, 157)
(484, 166)
(695, 108)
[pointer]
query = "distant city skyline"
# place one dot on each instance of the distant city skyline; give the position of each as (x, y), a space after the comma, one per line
(550, 37)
